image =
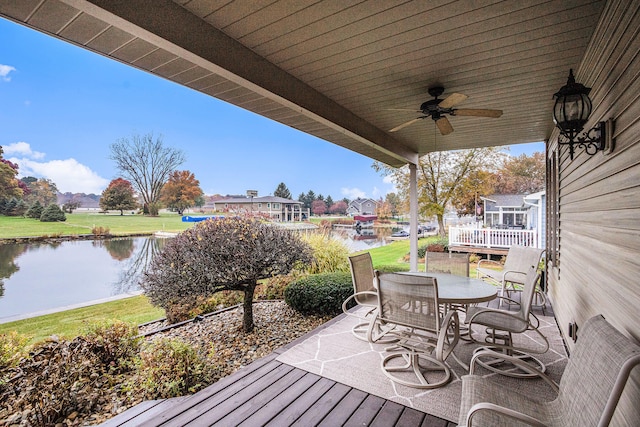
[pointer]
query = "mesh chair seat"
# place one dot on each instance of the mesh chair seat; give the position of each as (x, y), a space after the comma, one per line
(589, 393)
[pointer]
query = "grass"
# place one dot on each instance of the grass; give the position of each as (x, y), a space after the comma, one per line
(71, 323)
(83, 223)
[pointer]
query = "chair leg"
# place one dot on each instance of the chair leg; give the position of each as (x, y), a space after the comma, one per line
(502, 343)
(416, 365)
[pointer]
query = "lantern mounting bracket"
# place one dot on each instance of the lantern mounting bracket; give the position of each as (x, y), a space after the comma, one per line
(594, 140)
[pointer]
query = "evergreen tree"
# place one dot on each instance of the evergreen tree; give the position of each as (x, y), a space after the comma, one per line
(329, 202)
(53, 213)
(282, 191)
(35, 211)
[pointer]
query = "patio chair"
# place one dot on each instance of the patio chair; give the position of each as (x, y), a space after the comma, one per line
(426, 338)
(519, 259)
(588, 393)
(447, 262)
(500, 326)
(365, 295)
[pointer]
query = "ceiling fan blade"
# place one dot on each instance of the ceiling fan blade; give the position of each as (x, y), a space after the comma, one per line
(403, 109)
(404, 125)
(451, 100)
(477, 112)
(444, 126)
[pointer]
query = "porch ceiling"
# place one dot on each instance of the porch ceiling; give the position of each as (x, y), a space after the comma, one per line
(333, 69)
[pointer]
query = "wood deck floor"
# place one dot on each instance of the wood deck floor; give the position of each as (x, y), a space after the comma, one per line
(270, 393)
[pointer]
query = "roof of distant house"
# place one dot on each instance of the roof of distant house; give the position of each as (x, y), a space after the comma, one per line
(263, 199)
(513, 200)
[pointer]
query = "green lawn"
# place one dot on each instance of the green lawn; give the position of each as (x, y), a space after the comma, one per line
(71, 323)
(83, 223)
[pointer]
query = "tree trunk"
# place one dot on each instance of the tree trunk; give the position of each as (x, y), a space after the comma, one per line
(247, 319)
(442, 232)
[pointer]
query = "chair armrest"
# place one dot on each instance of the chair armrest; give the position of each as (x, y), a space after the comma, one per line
(488, 261)
(527, 367)
(486, 406)
(345, 302)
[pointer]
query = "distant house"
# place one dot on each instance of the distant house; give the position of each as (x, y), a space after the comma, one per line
(276, 208)
(362, 207)
(516, 211)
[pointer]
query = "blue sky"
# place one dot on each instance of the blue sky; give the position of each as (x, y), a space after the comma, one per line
(63, 106)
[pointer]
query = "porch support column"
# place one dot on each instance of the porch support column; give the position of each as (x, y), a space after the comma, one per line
(413, 213)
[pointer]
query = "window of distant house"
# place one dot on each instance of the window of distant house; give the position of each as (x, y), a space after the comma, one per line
(259, 205)
(276, 206)
(268, 205)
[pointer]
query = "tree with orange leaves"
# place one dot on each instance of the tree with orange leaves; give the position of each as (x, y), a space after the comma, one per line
(181, 191)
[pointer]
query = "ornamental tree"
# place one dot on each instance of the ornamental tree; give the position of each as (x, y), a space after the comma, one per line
(119, 195)
(222, 254)
(147, 164)
(181, 191)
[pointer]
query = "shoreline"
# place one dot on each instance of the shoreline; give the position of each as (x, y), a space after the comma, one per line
(33, 314)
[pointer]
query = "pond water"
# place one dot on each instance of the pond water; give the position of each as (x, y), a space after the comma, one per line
(43, 276)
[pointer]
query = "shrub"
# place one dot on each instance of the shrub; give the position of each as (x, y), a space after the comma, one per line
(228, 254)
(52, 213)
(320, 294)
(274, 287)
(393, 268)
(35, 211)
(330, 255)
(218, 301)
(114, 342)
(171, 368)
(13, 346)
(100, 231)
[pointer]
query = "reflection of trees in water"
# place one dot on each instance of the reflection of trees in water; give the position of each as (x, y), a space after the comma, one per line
(135, 265)
(8, 266)
(119, 249)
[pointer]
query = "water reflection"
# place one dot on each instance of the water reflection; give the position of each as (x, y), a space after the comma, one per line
(46, 275)
(364, 238)
(135, 265)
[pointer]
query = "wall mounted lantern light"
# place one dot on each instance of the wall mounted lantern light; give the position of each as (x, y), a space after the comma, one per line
(570, 113)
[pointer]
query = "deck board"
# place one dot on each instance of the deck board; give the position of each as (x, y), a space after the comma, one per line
(344, 409)
(303, 402)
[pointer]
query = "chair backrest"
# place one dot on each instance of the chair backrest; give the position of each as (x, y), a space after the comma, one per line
(520, 258)
(447, 262)
(361, 273)
(529, 290)
(408, 300)
(596, 374)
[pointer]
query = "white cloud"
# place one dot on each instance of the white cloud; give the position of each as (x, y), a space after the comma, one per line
(4, 72)
(352, 193)
(22, 149)
(68, 175)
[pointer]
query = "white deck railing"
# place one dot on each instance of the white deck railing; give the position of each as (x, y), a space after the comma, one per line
(492, 237)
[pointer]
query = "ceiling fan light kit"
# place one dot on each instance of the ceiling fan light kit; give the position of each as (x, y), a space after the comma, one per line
(439, 109)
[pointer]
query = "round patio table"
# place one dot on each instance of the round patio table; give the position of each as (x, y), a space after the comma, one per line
(454, 289)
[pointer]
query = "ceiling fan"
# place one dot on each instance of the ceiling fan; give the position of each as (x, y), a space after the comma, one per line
(438, 109)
